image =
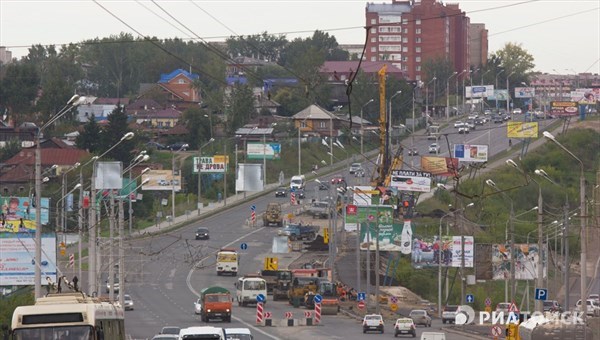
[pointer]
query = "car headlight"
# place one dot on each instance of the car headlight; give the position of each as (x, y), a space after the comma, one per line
(227, 310)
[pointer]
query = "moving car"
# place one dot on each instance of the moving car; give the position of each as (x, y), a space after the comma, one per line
(458, 124)
(464, 129)
(178, 146)
(170, 330)
(202, 234)
(323, 186)
(338, 179)
(449, 314)
(517, 111)
(116, 289)
(420, 317)
(552, 306)
(166, 337)
(198, 307)
(413, 152)
(238, 334)
(281, 192)
(354, 168)
(300, 193)
(405, 326)
(373, 322)
(434, 148)
(127, 302)
(497, 119)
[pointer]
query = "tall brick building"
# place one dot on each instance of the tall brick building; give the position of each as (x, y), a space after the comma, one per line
(408, 33)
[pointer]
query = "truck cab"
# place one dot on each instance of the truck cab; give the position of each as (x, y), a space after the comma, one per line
(297, 182)
(228, 261)
(248, 288)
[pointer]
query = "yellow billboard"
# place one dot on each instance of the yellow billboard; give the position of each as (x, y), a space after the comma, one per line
(522, 130)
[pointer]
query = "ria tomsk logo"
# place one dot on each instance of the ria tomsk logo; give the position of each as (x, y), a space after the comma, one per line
(465, 315)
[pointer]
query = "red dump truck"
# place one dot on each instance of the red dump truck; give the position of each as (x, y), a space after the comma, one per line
(215, 303)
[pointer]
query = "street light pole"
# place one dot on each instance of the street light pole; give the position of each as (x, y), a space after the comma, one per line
(463, 89)
(508, 96)
(448, 95)
(496, 88)
(362, 132)
(583, 216)
(74, 101)
(389, 123)
(200, 173)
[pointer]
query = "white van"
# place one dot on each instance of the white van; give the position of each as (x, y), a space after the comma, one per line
(248, 288)
(433, 336)
(238, 334)
(297, 182)
(204, 332)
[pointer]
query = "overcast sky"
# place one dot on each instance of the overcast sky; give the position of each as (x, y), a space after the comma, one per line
(561, 35)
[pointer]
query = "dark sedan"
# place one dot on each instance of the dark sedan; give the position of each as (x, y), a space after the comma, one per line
(179, 146)
(202, 234)
(281, 192)
(300, 193)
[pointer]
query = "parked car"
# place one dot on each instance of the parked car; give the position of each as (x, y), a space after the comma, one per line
(155, 145)
(202, 234)
(420, 317)
(405, 326)
(552, 306)
(449, 313)
(179, 146)
(281, 192)
(434, 148)
(373, 322)
(354, 168)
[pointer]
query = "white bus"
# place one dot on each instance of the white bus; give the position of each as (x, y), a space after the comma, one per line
(248, 288)
(68, 316)
(228, 261)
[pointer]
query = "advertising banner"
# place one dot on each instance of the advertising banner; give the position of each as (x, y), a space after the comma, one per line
(260, 150)
(364, 195)
(516, 129)
(526, 259)
(426, 251)
(524, 92)
(161, 180)
(17, 208)
(483, 91)
(439, 166)
(216, 164)
(127, 192)
(378, 219)
(17, 266)
(563, 108)
(499, 95)
(249, 177)
(108, 175)
(471, 153)
(586, 96)
(408, 180)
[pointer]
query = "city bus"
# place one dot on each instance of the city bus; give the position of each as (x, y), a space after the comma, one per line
(228, 261)
(68, 316)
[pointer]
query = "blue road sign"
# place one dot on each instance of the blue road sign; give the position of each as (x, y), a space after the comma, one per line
(252, 207)
(244, 246)
(470, 298)
(260, 298)
(318, 298)
(361, 296)
(541, 294)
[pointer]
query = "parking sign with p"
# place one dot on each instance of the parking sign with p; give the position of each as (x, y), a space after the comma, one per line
(541, 294)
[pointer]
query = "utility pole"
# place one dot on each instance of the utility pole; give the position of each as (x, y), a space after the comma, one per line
(566, 257)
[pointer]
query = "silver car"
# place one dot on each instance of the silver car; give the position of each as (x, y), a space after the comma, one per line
(420, 317)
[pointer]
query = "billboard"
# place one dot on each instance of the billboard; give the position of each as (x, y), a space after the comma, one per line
(408, 180)
(249, 177)
(516, 129)
(161, 180)
(364, 195)
(127, 192)
(374, 220)
(483, 91)
(499, 95)
(563, 108)
(526, 259)
(483, 261)
(266, 150)
(471, 153)
(524, 92)
(17, 208)
(216, 164)
(426, 251)
(440, 166)
(586, 96)
(17, 265)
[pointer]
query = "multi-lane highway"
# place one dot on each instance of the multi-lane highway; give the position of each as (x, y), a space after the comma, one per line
(165, 279)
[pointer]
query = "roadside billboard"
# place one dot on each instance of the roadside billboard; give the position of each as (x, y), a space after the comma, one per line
(483, 91)
(471, 153)
(364, 195)
(526, 260)
(266, 150)
(426, 251)
(499, 95)
(216, 164)
(524, 92)
(17, 208)
(161, 180)
(377, 220)
(516, 129)
(563, 108)
(586, 96)
(17, 266)
(439, 166)
(408, 180)
(249, 177)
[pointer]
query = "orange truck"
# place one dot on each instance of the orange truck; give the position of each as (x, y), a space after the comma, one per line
(215, 303)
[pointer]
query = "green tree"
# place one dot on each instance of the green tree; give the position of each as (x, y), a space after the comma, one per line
(198, 126)
(514, 58)
(90, 139)
(115, 130)
(18, 89)
(11, 148)
(241, 106)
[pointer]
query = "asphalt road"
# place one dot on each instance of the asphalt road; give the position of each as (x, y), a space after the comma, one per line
(166, 272)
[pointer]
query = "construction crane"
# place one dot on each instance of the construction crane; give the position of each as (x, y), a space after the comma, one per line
(385, 163)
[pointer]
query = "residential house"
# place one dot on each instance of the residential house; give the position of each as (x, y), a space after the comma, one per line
(316, 121)
(158, 119)
(99, 108)
(24, 133)
(175, 89)
(358, 123)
